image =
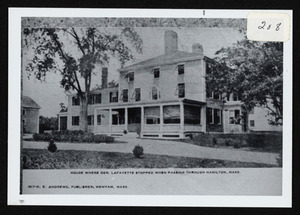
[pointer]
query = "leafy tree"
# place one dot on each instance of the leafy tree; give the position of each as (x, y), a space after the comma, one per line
(48, 123)
(75, 52)
(252, 69)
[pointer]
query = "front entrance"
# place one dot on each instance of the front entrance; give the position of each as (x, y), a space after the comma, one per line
(134, 119)
(63, 123)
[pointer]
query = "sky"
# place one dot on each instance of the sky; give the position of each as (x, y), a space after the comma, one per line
(49, 94)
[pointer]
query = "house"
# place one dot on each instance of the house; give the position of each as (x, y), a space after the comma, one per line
(162, 97)
(30, 115)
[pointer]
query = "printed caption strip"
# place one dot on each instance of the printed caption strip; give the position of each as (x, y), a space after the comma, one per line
(268, 26)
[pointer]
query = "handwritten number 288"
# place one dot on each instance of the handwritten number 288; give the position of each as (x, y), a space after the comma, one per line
(263, 24)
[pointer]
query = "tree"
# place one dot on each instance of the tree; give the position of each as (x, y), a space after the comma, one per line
(48, 123)
(254, 70)
(54, 52)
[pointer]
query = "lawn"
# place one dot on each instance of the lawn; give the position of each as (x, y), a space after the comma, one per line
(71, 159)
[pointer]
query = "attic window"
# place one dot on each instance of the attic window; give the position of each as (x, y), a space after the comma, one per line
(181, 69)
(130, 76)
(156, 73)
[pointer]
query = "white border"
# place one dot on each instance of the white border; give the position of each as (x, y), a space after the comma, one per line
(14, 198)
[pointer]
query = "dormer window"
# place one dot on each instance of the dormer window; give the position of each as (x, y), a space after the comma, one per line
(180, 69)
(130, 76)
(156, 73)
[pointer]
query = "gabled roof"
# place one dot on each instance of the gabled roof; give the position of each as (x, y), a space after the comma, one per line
(176, 57)
(29, 102)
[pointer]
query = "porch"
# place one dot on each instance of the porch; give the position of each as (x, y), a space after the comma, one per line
(151, 120)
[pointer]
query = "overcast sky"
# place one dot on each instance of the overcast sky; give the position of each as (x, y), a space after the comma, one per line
(49, 94)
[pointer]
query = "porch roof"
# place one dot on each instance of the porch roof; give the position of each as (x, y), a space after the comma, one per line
(151, 103)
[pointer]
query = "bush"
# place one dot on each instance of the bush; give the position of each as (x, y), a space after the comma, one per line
(237, 144)
(73, 136)
(52, 146)
(103, 139)
(125, 132)
(214, 141)
(138, 151)
(202, 140)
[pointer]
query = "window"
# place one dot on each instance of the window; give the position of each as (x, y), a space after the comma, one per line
(236, 96)
(180, 69)
(118, 116)
(217, 116)
(156, 73)
(75, 120)
(181, 90)
(209, 94)
(137, 93)
(192, 115)
(252, 123)
(125, 95)
(130, 76)
(99, 119)
(152, 115)
(75, 101)
(234, 117)
(213, 116)
(216, 96)
(97, 98)
(154, 93)
(90, 119)
(91, 100)
(210, 115)
(113, 97)
(23, 111)
(171, 114)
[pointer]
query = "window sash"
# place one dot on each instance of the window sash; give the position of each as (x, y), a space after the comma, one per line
(180, 69)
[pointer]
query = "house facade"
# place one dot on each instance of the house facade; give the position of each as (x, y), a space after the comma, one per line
(30, 115)
(162, 97)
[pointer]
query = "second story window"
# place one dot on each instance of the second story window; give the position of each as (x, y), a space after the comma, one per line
(137, 92)
(75, 101)
(125, 95)
(181, 90)
(154, 93)
(130, 76)
(97, 98)
(156, 73)
(181, 69)
(91, 100)
(90, 119)
(113, 97)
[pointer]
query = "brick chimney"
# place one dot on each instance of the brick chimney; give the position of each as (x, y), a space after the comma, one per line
(197, 48)
(104, 77)
(171, 42)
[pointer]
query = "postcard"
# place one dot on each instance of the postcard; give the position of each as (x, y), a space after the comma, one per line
(150, 107)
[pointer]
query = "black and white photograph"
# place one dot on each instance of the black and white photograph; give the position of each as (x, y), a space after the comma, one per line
(151, 106)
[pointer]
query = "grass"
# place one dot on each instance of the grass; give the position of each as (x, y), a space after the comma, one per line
(71, 159)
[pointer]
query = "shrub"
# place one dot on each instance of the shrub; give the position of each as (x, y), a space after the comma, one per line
(214, 141)
(125, 132)
(279, 159)
(52, 146)
(237, 144)
(138, 151)
(202, 140)
(73, 136)
(103, 139)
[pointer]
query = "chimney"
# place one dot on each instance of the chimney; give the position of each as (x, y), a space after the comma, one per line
(197, 48)
(171, 42)
(104, 77)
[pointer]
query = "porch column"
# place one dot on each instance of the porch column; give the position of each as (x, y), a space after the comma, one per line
(109, 120)
(126, 119)
(161, 118)
(181, 117)
(95, 120)
(142, 119)
(203, 118)
(59, 122)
